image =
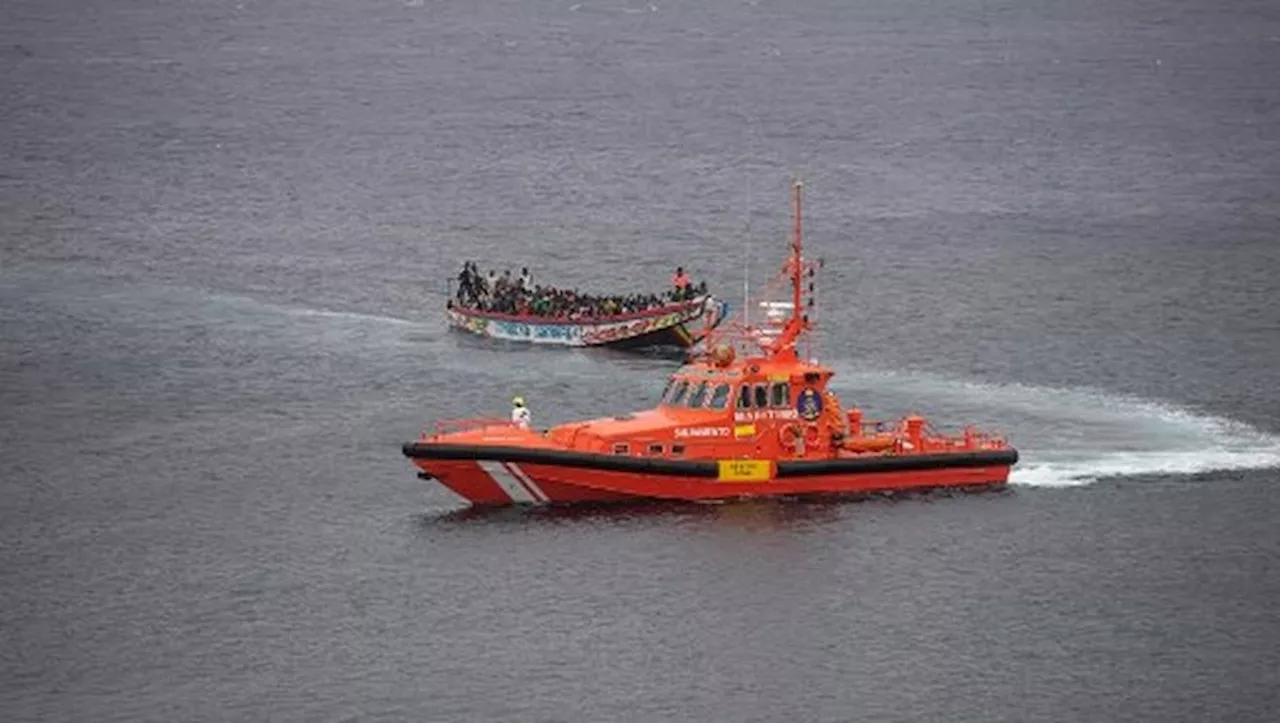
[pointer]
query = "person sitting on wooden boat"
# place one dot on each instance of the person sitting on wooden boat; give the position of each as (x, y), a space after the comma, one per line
(519, 296)
(520, 413)
(503, 285)
(488, 286)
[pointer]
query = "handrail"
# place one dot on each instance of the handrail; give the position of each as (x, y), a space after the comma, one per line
(931, 438)
(450, 426)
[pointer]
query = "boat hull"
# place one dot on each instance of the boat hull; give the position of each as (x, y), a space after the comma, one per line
(511, 476)
(679, 326)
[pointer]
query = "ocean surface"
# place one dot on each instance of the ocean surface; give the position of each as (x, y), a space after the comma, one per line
(226, 232)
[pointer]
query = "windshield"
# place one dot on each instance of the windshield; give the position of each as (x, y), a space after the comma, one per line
(699, 396)
(678, 392)
(781, 395)
(720, 397)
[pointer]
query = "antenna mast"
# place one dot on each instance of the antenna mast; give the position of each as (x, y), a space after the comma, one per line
(797, 248)
(746, 262)
(798, 323)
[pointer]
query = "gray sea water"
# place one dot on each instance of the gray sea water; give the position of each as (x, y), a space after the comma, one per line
(225, 231)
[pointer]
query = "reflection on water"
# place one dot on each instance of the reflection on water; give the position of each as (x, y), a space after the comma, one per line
(754, 513)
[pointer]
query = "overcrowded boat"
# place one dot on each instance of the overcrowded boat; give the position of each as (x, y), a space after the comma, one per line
(516, 309)
(746, 417)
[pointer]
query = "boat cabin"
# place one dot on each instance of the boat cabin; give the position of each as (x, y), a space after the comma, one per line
(754, 408)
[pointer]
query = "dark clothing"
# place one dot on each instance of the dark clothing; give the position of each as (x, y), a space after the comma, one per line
(547, 301)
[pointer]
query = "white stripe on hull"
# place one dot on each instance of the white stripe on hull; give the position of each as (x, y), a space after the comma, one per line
(508, 482)
(528, 482)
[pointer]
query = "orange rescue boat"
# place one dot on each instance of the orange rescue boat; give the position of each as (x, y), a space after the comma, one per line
(747, 418)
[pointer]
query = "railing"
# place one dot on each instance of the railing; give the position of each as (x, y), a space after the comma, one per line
(931, 439)
(451, 426)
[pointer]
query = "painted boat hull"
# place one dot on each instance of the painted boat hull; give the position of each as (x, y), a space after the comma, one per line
(501, 476)
(679, 326)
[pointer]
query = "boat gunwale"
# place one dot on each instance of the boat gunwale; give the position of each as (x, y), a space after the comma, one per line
(698, 303)
(707, 468)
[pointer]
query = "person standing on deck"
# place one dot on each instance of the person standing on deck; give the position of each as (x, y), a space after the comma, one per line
(464, 284)
(467, 284)
(520, 413)
(681, 283)
(489, 288)
(526, 281)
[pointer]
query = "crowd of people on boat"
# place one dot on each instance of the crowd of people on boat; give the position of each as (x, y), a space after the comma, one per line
(519, 295)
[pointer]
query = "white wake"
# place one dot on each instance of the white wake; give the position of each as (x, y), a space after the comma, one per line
(1068, 437)
(353, 316)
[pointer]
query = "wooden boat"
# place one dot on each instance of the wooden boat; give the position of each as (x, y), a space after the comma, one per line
(679, 324)
(746, 418)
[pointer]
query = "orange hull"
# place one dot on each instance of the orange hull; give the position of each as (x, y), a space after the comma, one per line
(498, 482)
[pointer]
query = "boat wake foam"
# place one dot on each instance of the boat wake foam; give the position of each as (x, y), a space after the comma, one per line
(1070, 437)
(351, 316)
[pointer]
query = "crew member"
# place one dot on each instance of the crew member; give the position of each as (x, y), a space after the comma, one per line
(681, 282)
(519, 413)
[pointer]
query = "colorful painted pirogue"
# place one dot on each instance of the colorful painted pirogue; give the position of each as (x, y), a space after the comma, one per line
(757, 423)
(679, 324)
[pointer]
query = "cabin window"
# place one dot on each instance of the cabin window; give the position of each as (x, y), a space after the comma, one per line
(781, 394)
(762, 396)
(699, 395)
(677, 449)
(720, 397)
(621, 448)
(744, 397)
(655, 449)
(678, 392)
